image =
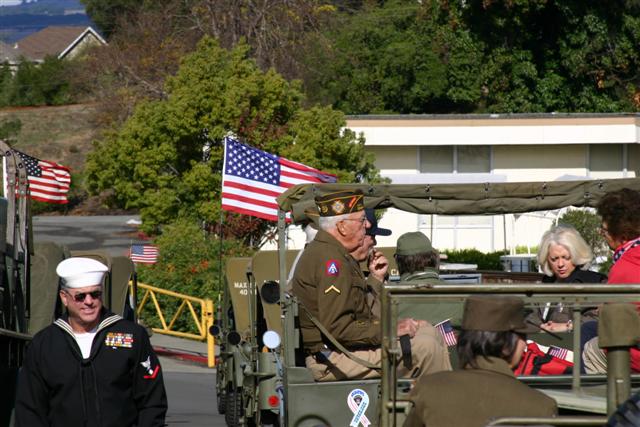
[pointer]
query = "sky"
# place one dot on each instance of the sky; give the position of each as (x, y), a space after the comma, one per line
(12, 2)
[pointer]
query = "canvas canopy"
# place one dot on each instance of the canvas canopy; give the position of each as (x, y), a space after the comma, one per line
(463, 199)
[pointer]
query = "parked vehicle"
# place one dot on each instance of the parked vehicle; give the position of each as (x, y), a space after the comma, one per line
(272, 370)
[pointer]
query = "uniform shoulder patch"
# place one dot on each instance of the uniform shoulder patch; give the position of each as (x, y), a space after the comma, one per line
(332, 268)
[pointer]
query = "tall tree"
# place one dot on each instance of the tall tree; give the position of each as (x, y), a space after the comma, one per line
(155, 161)
(107, 13)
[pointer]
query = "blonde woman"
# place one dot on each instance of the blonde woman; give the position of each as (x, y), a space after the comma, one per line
(564, 257)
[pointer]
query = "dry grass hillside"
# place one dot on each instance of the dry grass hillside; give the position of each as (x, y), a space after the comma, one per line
(60, 134)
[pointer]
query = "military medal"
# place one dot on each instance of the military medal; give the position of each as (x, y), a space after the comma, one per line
(119, 339)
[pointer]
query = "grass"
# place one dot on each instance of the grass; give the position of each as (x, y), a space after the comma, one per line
(60, 134)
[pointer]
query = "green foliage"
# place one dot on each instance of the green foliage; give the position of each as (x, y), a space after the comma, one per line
(587, 224)
(106, 13)
(155, 161)
(485, 261)
(9, 129)
(189, 263)
(37, 84)
(437, 56)
(189, 260)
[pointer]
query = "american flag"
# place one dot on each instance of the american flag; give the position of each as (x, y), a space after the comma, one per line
(48, 181)
(561, 353)
(252, 179)
(447, 332)
(143, 254)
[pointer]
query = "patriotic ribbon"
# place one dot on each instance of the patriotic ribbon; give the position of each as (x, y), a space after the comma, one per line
(358, 402)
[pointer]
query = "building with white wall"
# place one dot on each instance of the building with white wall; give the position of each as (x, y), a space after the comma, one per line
(495, 148)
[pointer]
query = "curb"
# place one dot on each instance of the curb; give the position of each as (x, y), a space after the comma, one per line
(186, 356)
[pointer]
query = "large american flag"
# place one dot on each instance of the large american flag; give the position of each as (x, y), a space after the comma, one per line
(252, 179)
(143, 254)
(48, 181)
(448, 334)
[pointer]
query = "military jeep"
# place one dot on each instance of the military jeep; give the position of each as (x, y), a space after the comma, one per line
(276, 366)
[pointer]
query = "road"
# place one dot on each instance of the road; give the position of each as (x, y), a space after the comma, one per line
(191, 394)
(109, 233)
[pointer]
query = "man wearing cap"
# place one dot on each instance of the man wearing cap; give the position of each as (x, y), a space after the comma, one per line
(489, 346)
(90, 367)
(332, 289)
(419, 261)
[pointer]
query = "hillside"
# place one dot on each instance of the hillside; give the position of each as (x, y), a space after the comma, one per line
(60, 134)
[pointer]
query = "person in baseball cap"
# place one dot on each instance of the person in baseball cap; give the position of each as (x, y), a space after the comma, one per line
(416, 258)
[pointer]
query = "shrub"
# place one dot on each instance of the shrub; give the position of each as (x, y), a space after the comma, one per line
(488, 261)
(188, 263)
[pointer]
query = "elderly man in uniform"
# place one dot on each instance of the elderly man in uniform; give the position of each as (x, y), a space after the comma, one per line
(489, 346)
(90, 367)
(332, 288)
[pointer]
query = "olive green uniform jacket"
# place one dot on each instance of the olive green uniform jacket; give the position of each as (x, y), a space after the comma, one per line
(472, 397)
(433, 313)
(328, 281)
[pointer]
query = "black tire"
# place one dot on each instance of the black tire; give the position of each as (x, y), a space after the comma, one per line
(628, 414)
(234, 411)
(221, 397)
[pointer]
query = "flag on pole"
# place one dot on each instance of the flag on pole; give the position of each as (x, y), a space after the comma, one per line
(448, 334)
(143, 254)
(48, 181)
(252, 179)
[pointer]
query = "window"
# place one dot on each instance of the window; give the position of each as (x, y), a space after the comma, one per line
(455, 159)
(436, 159)
(474, 159)
(605, 158)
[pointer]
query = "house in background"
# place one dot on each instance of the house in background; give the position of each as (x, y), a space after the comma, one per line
(421, 149)
(61, 42)
(9, 55)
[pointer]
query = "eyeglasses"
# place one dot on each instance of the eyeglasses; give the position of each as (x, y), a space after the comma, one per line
(80, 296)
(604, 230)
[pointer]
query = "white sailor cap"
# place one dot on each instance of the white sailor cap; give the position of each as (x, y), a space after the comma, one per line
(80, 272)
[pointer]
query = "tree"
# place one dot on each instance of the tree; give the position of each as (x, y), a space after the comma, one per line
(155, 163)
(587, 224)
(438, 56)
(107, 13)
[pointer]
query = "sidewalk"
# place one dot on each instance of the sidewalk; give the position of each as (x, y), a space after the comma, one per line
(179, 348)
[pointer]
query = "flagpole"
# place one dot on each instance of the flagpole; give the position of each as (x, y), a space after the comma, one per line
(134, 287)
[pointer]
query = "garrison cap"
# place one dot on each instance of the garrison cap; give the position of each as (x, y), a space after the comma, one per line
(496, 314)
(413, 243)
(374, 230)
(340, 203)
(79, 272)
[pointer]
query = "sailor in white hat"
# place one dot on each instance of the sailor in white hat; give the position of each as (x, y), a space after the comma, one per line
(90, 367)
(81, 291)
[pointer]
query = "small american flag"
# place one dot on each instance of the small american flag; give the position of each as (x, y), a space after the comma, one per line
(447, 332)
(143, 254)
(252, 179)
(561, 353)
(48, 181)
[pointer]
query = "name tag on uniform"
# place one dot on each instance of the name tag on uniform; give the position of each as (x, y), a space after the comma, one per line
(119, 339)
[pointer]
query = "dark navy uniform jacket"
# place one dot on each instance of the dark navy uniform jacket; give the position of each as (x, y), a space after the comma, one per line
(119, 384)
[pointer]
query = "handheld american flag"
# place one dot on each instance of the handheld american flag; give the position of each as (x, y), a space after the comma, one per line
(143, 254)
(252, 179)
(448, 334)
(48, 181)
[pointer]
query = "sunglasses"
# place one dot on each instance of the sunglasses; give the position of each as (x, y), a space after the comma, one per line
(80, 296)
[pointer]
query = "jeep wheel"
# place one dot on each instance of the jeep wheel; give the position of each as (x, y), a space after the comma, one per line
(233, 408)
(221, 397)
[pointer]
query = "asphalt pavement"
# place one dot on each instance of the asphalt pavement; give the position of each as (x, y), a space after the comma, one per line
(190, 384)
